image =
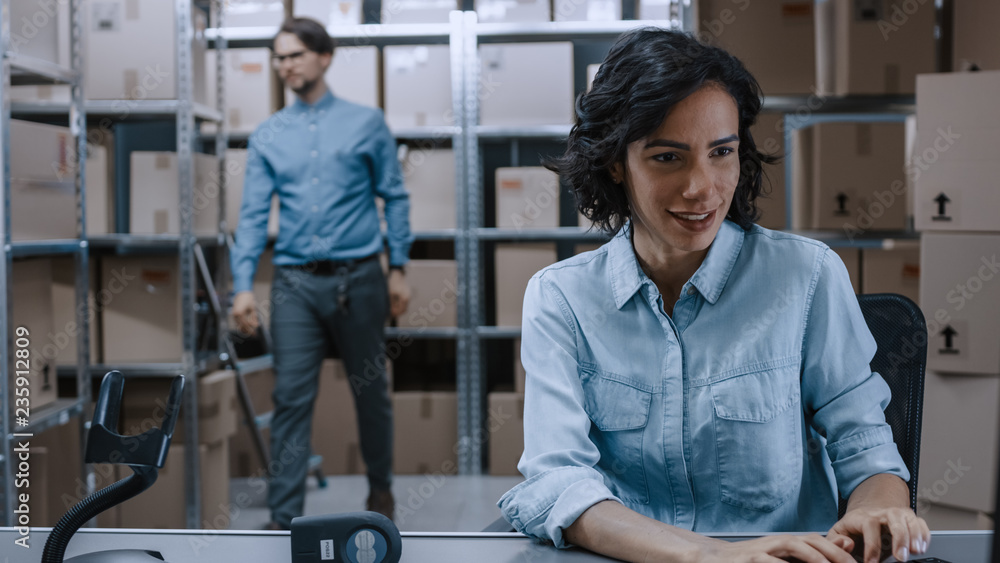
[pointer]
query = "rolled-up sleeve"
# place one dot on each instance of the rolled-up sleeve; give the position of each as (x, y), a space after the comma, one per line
(846, 398)
(559, 457)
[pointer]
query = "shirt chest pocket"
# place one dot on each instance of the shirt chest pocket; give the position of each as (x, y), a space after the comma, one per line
(758, 429)
(619, 414)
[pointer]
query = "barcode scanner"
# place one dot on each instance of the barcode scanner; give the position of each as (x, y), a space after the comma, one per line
(351, 537)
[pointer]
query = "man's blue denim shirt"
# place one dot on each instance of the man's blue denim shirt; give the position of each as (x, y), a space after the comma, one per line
(747, 408)
(327, 162)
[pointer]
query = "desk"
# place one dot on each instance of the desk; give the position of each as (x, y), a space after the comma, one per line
(198, 546)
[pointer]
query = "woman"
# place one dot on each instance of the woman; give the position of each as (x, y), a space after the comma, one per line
(698, 373)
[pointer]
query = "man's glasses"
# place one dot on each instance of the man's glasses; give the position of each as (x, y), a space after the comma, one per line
(295, 57)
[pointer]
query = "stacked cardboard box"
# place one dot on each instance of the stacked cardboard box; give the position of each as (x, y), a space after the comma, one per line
(527, 197)
(505, 424)
(429, 176)
(417, 82)
(250, 92)
(959, 290)
(32, 333)
(155, 195)
(526, 84)
(975, 41)
(515, 264)
(43, 170)
(130, 51)
(512, 11)
(425, 432)
(434, 294)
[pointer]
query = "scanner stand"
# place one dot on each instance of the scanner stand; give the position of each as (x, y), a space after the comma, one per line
(145, 454)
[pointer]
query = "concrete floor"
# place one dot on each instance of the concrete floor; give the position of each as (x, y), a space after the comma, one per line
(424, 503)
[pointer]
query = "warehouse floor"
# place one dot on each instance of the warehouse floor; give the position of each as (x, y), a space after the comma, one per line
(424, 503)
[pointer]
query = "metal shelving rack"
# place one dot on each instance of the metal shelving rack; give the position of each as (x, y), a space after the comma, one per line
(185, 112)
(20, 69)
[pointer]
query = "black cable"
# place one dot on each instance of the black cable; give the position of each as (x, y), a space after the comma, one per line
(90, 507)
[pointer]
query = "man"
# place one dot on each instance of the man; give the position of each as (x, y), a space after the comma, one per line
(326, 159)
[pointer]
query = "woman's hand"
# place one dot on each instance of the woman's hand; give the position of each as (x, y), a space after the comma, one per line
(899, 528)
(812, 548)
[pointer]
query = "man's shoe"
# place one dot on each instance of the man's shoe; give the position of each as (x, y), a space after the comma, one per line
(381, 501)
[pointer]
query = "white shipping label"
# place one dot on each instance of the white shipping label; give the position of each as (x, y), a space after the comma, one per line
(106, 16)
(326, 550)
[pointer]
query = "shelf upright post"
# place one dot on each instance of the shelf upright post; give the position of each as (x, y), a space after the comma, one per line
(470, 400)
(185, 156)
(6, 313)
(221, 148)
(78, 128)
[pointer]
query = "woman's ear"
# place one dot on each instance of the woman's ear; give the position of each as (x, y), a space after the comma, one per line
(617, 172)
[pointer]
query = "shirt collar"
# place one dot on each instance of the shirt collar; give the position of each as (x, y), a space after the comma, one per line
(322, 103)
(710, 279)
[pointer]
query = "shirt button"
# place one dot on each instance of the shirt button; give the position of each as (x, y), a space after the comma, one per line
(315, 181)
(691, 290)
(312, 126)
(314, 154)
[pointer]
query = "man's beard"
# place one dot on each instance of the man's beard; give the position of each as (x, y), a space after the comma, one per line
(307, 86)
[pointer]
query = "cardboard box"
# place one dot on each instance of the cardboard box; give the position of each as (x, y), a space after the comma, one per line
(859, 177)
(130, 51)
(244, 461)
(64, 307)
(891, 271)
(142, 319)
(953, 168)
(519, 373)
(653, 9)
(155, 195)
(592, 74)
(162, 506)
(31, 291)
(353, 75)
(144, 404)
(490, 11)
(527, 198)
(58, 471)
(41, 31)
(417, 86)
(429, 176)
(852, 260)
(776, 40)
(335, 423)
(236, 167)
(47, 93)
(769, 135)
(43, 181)
(960, 298)
(418, 11)
(425, 432)
(256, 13)
(590, 10)
(975, 42)
(100, 204)
(434, 294)
(505, 423)
(874, 47)
(942, 517)
(515, 264)
(327, 12)
(958, 444)
(249, 88)
(526, 84)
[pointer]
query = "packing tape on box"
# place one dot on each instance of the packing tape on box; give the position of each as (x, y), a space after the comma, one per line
(160, 221)
(132, 10)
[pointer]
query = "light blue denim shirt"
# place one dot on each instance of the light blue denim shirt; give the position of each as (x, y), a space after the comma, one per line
(327, 162)
(745, 409)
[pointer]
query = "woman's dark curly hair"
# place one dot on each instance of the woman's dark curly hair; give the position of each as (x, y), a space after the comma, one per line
(647, 72)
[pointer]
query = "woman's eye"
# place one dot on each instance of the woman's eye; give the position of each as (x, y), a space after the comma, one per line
(666, 157)
(723, 151)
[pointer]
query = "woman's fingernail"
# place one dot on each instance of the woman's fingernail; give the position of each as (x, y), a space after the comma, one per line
(904, 554)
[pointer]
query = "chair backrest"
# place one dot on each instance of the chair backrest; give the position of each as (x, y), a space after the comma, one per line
(901, 335)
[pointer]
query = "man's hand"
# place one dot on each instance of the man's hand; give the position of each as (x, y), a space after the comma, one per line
(399, 293)
(245, 312)
(905, 532)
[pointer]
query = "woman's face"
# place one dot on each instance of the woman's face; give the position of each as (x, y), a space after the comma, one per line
(681, 179)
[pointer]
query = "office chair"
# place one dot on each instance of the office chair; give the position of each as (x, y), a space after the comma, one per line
(900, 333)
